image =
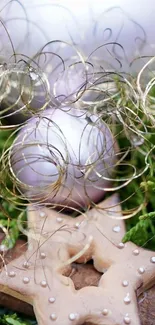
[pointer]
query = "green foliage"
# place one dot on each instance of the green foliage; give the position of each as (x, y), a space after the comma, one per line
(8, 210)
(150, 215)
(141, 234)
(9, 318)
(140, 191)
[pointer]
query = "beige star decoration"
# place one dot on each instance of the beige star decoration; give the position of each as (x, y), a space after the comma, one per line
(55, 241)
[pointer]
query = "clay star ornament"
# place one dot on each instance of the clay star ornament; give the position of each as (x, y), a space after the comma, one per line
(56, 240)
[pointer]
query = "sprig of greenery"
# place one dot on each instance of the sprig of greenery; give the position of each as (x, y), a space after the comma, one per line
(9, 318)
(141, 234)
(150, 215)
(8, 211)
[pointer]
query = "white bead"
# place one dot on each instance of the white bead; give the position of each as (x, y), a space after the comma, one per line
(127, 320)
(136, 252)
(125, 283)
(26, 264)
(53, 316)
(121, 245)
(72, 316)
(51, 300)
(26, 280)
(42, 255)
(42, 214)
(152, 259)
(59, 219)
(77, 225)
(141, 270)
(105, 312)
(43, 284)
(12, 274)
(127, 299)
(116, 229)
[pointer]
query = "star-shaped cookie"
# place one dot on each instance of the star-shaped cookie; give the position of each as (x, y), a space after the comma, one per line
(54, 242)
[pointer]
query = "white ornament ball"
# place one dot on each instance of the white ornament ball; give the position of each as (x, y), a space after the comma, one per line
(64, 157)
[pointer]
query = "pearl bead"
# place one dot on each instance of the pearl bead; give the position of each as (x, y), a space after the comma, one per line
(116, 229)
(72, 316)
(26, 264)
(105, 312)
(26, 280)
(141, 270)
(59, 219)
(121, 245)
(42, 255)
(42, 214)
(125, 283)
(127, 299)
(51, 300)
(43, 284)
(127, 320)
(77, 225)
(12, 274)
(152, 259)
(53, 316)
(136, 252)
